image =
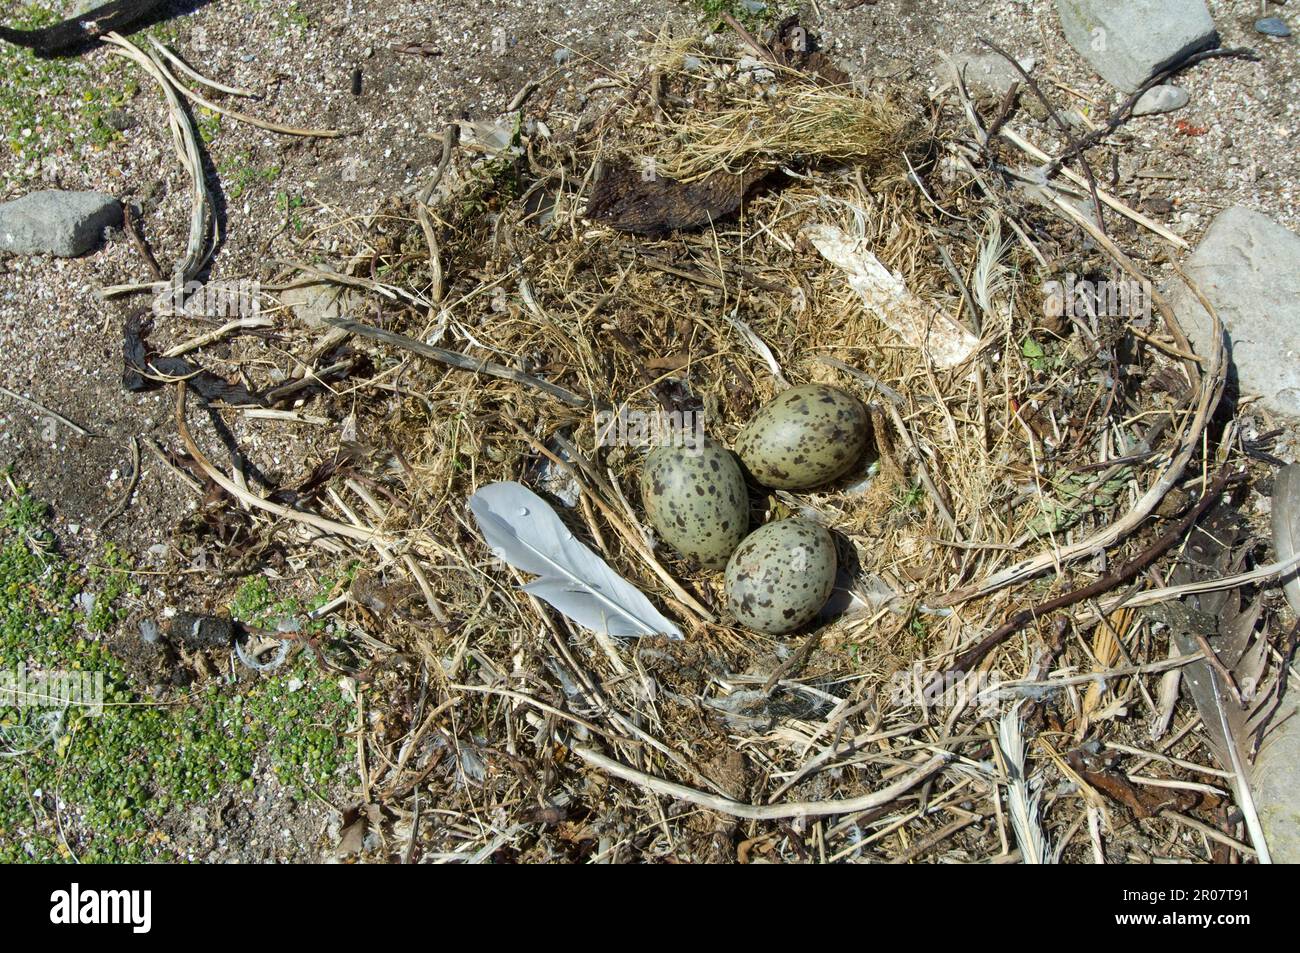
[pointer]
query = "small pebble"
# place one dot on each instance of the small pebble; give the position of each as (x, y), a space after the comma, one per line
(563, 55)
(1160, 99)
(1273, 26)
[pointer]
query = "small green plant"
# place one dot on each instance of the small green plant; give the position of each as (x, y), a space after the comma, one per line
(97, 787)
(242, 174)
(752, 15)
(59, 108)
(208, 122)
(1033, 352)
(295, 15)
(910, 499)
(113, 576)
(288, 206)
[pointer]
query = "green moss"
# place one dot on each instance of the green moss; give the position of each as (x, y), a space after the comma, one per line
(99, 787)
(111, 577)
(712, 11)
(208, 123)
(57, 108)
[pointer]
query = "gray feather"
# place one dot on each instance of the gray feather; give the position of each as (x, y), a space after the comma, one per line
(523, 530)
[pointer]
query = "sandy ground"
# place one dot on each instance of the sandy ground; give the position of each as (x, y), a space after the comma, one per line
(61, 343)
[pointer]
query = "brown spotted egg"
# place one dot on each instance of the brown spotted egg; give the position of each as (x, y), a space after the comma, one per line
(781, 575)
(806, 436)
(695, 497)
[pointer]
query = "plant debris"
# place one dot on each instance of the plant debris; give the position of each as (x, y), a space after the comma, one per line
(1030, 556)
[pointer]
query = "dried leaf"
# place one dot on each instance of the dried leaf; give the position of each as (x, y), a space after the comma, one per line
(146, 370)
(651, 204)
(523, 530)
(1231, 729)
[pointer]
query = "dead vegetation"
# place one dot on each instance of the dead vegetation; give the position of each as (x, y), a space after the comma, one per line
(989, 688)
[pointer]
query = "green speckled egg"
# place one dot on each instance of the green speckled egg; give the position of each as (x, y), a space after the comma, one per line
(781, 575)
(806, 436)
(696, 499)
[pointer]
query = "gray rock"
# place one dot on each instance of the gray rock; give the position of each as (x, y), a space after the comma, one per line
(315, 305)
(202, 631)
(1276, 780)
(66, 224)
(1126, 41)
(1160, 99)
(1273, 26)
(985, 73)
(1248, 267)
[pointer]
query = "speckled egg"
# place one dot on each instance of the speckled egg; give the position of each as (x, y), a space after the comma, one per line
(695, 497)
(806, 436)
(781, 575)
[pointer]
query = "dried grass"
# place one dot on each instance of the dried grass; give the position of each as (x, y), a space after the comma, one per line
(496, 706)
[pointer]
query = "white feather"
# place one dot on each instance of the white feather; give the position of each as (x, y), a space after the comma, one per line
(523, 530)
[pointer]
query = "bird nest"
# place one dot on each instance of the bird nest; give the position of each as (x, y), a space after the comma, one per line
(690, 239)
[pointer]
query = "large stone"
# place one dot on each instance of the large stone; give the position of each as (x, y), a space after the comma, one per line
(1248, 267)
(1126, 41)
(1276, 784)
(66, 224)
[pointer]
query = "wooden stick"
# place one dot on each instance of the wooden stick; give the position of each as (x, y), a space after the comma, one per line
(1024, 145)
(185, 141)
(369, 537)
(131, 483)
(460, 361)
(973, 656)
(763, 812)
(42, 409)
(1210, 389)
